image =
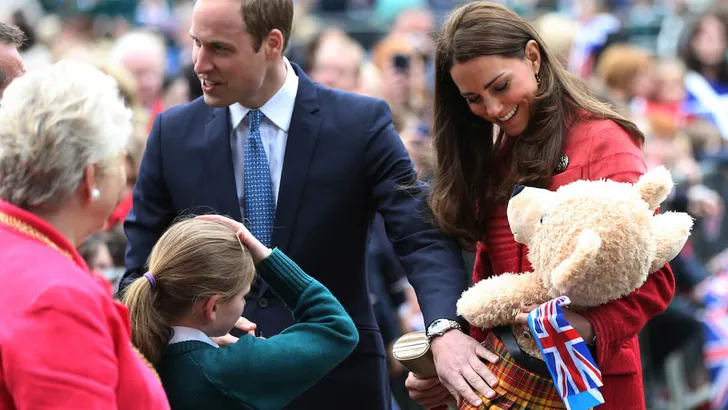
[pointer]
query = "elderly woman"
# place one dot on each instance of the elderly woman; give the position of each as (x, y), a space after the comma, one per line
(64, 341)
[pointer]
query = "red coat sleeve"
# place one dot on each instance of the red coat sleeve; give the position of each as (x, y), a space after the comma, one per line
(62, 355)
(615, 155)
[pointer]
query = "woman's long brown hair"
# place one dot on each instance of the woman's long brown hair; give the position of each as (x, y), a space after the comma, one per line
(465, 145)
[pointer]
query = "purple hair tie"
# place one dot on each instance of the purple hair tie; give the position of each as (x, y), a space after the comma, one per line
(151, 279)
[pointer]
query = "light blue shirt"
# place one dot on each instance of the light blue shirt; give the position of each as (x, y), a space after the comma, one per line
(274, 127)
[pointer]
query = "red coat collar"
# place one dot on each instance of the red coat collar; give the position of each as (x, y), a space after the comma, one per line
(32, 226)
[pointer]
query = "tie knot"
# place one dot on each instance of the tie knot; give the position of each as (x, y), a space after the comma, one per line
(255, 117)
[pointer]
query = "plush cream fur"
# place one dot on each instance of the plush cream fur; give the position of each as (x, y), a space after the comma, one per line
(593, 241)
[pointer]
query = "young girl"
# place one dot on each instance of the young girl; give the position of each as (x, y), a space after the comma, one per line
(199, 274)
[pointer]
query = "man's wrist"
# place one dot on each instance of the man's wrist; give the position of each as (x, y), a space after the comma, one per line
(439, 327)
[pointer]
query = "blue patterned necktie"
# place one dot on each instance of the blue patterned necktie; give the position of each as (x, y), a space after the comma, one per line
(258, 188)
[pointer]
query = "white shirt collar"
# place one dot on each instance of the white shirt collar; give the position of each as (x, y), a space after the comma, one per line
(279, 109)
(184, 334)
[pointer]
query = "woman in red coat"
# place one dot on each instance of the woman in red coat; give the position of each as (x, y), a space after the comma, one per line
(64, 342)
(506, 114)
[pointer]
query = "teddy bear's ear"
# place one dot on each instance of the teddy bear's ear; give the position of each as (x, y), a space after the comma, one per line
(671, 230)
(654, 186)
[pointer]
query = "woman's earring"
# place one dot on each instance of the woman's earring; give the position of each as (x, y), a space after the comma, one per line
(538, 79)
(95, 194)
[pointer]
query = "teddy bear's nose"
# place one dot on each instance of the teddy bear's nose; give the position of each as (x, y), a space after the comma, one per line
(517, 190)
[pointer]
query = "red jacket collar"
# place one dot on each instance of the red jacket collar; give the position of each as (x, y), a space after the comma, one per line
(32, 226)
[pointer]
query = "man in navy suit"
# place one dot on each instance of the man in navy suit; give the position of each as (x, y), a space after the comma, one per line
(332, 159)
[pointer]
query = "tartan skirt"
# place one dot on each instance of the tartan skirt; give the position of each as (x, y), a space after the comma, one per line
(517, 388)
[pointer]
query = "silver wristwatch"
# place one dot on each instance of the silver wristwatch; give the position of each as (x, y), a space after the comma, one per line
(438, 327)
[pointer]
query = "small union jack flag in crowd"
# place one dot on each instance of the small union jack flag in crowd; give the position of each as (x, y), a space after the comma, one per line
(715, 328)
(576, 376)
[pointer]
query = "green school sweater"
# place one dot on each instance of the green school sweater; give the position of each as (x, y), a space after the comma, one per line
(257, 373)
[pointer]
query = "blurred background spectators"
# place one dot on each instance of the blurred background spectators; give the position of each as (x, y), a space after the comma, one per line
(662, 63)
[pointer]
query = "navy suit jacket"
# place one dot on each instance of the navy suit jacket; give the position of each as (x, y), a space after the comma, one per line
(343, 162)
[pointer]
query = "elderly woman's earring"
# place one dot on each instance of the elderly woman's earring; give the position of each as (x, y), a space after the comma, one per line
(538, 79)
(95, 194)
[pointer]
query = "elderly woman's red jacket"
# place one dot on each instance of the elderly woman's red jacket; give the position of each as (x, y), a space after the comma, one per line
(595, 150)
(64, 342)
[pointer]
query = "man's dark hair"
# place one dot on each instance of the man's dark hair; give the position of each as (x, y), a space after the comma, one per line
(11, 35)
(262, 16)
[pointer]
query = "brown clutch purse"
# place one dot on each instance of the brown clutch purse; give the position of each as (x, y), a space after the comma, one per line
(413, 351)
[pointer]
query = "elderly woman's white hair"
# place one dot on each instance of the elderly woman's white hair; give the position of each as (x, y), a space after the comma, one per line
(54, 122)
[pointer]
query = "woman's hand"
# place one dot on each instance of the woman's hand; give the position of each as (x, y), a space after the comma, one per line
(257, 249)
(581, 324)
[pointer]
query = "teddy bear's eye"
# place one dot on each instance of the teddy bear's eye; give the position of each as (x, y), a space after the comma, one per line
(543, 218)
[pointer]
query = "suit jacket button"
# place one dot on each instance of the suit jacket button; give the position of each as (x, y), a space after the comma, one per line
(263, 302)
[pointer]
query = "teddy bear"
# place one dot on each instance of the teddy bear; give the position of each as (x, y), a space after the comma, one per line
(593, 241)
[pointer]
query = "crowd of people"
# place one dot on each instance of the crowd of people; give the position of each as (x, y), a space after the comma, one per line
(372, 193)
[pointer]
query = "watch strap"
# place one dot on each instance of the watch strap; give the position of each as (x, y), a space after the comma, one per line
(449, 325)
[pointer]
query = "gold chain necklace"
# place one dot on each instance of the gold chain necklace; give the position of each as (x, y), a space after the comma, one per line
(26, 229)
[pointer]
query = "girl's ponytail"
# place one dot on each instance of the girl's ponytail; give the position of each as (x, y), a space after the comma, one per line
(150, 332)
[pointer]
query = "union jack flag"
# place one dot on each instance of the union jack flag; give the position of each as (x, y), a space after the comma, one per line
(715, 328)
(576, 376)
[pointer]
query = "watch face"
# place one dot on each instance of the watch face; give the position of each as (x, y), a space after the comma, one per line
(438, 326)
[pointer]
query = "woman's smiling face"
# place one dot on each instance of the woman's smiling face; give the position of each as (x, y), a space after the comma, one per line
(500, 89)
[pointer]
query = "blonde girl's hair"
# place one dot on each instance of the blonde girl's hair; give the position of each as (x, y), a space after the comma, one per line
(193, 259)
